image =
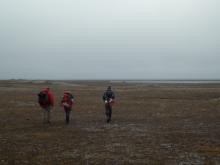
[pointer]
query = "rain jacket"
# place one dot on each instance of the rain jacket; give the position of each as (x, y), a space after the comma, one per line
(67, 100)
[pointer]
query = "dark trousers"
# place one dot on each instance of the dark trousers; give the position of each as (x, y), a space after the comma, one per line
(108, 112)
(46, 115)
(67, 111)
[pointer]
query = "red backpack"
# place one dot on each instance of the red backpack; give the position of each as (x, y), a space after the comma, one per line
(67, 100)
(43, 98)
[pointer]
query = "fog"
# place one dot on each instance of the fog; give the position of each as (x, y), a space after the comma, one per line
(110, 39)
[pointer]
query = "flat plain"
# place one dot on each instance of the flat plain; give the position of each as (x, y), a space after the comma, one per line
(167, 124)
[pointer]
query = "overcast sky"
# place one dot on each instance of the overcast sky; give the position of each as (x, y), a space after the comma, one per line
(110, 39)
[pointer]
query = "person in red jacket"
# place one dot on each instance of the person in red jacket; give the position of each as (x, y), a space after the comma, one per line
(46, 101)
(67, 103)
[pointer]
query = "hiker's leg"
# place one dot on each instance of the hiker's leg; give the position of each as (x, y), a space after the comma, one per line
(110, 112)
(106, 110)
(48, 114)
(67, 114)
(44, 115)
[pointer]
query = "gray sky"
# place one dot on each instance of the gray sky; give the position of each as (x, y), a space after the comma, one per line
(113, 39)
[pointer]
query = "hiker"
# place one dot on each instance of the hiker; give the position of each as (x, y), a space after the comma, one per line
(46, 101)
(67, 103)
(108, 98)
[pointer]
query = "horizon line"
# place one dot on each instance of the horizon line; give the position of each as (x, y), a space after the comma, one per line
(23, 79)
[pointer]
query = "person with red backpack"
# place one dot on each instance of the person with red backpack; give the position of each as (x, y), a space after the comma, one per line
(46, 101)
(67, 103)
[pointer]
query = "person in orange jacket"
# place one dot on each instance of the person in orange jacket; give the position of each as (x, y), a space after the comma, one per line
(46, 101)
(67, 103)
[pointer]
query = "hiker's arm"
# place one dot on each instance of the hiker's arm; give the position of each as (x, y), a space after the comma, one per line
(113, 95)
(104, 96)
(51, 99)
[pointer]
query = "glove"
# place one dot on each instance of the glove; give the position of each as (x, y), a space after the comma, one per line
(66, 105)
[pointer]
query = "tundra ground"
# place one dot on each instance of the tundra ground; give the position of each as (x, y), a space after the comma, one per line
(163, 124)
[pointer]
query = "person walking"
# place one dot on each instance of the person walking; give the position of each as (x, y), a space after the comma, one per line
(67, 103)
(108, 98)
(46, 101)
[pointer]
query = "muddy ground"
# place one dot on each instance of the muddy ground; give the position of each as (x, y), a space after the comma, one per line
(152, 124)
